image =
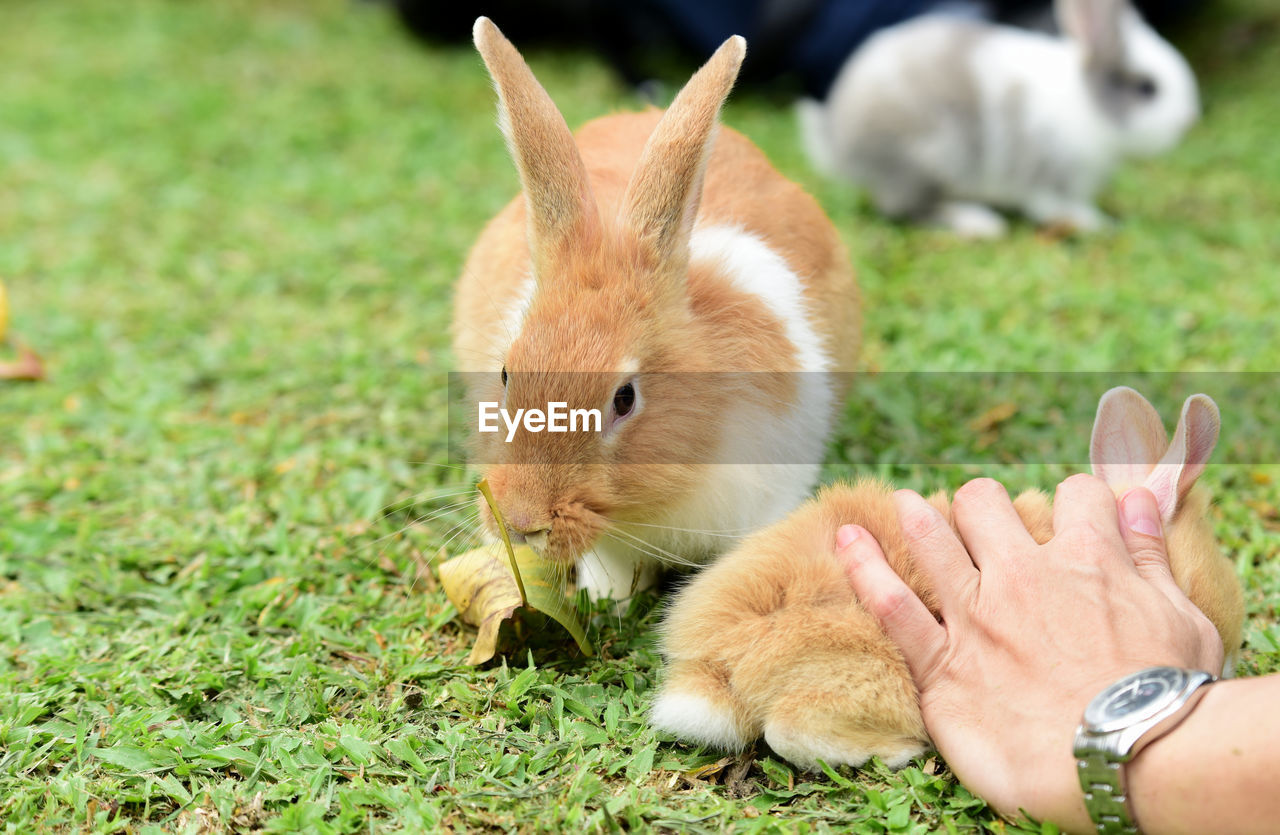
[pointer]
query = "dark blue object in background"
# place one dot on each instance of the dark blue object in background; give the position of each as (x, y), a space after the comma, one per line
(811, 38)
(808, 40)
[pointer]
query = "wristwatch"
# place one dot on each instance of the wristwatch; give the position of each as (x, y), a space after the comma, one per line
(1120, 722)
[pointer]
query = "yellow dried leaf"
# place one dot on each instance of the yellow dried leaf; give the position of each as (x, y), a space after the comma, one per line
(28, 365)
(490, 584)
(1265, 510)
(706, 772)
(993, 417)
(483, 487)
(483, 589)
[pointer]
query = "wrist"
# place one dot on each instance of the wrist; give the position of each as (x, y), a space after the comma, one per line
(1216, 771)
(1151, 793)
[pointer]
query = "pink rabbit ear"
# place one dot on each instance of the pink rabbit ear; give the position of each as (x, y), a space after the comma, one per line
(662, 198)
(1184, 461)
(1128, 438)
(1096, 26)
(561, 206)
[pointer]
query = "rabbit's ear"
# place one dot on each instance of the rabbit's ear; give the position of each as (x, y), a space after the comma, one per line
(561, 207)
(1096, 26)
(662, 198)
(1184, 461)
(1128, 438)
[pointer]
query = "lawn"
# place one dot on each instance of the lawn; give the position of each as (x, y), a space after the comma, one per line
(231, 228)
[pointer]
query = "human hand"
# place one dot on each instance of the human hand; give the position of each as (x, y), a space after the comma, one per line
(1029, 633)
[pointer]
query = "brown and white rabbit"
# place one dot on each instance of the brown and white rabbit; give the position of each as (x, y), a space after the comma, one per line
(942, 117)
(661, 271)
(771, 641)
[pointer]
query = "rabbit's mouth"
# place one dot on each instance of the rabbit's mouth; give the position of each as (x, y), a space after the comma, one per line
(537, 540)
(560, 536)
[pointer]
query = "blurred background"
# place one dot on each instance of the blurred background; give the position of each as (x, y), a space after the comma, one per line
(801, 42)
(231, 228)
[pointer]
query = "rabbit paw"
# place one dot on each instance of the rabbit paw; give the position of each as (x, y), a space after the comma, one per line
(695, 718)
(970, 220)
(804, 747)
(1052, 210)
(615, 575)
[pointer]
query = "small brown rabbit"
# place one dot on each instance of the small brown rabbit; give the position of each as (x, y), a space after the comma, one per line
(771, 641)
(659, 271)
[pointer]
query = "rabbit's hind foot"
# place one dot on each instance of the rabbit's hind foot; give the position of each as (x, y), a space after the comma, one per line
(805, 746)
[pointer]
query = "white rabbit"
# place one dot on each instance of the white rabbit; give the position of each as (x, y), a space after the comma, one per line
(944, 118)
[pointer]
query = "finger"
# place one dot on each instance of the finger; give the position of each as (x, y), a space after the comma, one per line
(905, 619)
(1084, 506)
(987, 521)
(1143, 535)
(937, 552)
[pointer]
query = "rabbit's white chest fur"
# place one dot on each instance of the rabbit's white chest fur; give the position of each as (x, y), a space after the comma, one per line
(768, 458)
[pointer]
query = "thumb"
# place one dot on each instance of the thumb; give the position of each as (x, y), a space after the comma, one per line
(1144, 535)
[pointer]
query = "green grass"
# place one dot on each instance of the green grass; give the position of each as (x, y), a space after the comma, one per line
(232, 229)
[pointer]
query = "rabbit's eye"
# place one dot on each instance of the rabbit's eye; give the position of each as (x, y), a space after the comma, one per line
(504, 375)
(624, 400)
(1133, 84)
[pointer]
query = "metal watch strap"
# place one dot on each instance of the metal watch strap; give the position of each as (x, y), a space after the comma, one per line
(1104, 794)
(1101, 750)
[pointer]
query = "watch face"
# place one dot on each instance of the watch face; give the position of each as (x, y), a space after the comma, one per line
(1134, 698)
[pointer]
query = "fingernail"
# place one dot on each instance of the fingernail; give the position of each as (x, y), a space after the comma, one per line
(1139, 512)
(847, 535)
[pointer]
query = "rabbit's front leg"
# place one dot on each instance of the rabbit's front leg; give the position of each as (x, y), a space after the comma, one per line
(1049, 209)
(968, 219)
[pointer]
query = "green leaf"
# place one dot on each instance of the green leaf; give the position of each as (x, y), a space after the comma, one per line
(521, 683)
(641, 764)
(835, 776)
(173, 788)
(359, 750)
(401, 749)
(125, 756)
(777, 772)
(899, 816)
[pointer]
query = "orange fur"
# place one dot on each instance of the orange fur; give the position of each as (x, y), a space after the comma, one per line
(771, 640)
(773, 635)
(603, 228)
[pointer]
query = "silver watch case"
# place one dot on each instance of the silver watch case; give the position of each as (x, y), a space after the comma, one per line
(1127, 712)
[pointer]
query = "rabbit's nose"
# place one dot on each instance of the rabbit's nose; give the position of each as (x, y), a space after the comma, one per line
(518, 520)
